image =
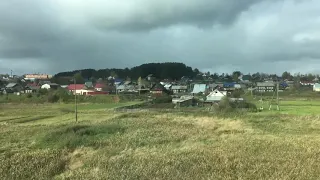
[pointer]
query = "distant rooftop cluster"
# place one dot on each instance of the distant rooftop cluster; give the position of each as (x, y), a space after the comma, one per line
(37, 76)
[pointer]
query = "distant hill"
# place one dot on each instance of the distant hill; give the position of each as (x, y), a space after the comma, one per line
(170, 70)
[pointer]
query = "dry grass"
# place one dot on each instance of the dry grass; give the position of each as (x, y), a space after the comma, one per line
(152, 145)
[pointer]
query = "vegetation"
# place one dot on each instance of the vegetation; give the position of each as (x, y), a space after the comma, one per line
(44, 142)
(159, 70)
(63, 96)
(174, 71)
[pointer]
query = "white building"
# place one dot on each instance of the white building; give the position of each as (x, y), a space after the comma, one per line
(216, 96)
(50, 86)
(316, 87)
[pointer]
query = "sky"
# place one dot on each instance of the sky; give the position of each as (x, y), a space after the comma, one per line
(51, 36)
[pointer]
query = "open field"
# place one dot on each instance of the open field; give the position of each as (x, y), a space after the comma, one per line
(44, 142)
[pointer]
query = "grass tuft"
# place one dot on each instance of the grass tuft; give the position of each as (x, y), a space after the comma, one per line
(80, 135)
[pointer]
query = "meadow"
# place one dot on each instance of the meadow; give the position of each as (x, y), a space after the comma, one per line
(43, 141)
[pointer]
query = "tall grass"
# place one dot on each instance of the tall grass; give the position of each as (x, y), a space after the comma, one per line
(73, 136)
(156, 145)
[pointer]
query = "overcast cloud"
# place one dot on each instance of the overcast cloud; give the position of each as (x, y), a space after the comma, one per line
(213, 35)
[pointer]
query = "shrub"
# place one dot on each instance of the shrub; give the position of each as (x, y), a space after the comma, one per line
(163, 99)
(80, 135)
(244, 105)
(52, 98)
(224, 105)
(43, 91)
(29, 95)
(63, 95)
(237, 93)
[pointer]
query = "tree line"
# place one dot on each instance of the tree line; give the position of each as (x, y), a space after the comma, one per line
(175, 71)
(172, 71)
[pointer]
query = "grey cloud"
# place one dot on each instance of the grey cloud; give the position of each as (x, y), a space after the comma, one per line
(249, 35)
(151, 14)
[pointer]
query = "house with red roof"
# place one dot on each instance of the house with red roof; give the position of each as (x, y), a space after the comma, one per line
(79, 89)
(31, 88)
(99, 86)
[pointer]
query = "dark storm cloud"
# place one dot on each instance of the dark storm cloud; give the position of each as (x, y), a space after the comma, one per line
(146, 15)
(215, 35)
(26, 27)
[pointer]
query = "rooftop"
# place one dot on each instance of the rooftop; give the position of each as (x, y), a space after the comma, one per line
(197, 88)
(76, 86)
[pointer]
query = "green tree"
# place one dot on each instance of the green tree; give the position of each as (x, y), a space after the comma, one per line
(79, 79)
(215, 76)
(310, 77)
(236, 75)
(63, 95)
(196, 71)
(113, 74)
(287, 75)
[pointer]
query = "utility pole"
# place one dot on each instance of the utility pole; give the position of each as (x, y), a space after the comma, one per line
(139, 84)
(278, 108)
(75, 100)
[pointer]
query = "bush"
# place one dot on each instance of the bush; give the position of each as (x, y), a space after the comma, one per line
(224, 105)
(244, 105)
(29, 95)
(79, 135)
(237, 93)
(231, 107)
(163, 99)
(52, 98)
(43, 91)
(63, 95)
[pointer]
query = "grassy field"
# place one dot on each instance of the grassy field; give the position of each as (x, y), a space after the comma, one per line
(44, 142)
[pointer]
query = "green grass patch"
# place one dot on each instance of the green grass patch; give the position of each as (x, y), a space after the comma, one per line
(73, 136)
(31, 119)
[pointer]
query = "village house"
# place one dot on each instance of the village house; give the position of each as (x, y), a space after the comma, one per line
(89, 84)
(216, 96)
(64, 86)
(166, 85)
(183, 101)
(213, 86)
(79, 89)
(31, 88)
(316, 87)
(50, 86)
(150, 77)
(99, 87)
(283, 85)
(43, 83)
(179, 89)
(126, 88)
(158, 89)
(231, 86)
(307, 83)
(121, 88)
(199, 88)
(13, 88)
(33, 77)
(245, 78)
(265, 86)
